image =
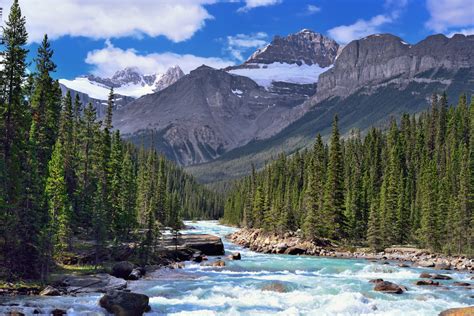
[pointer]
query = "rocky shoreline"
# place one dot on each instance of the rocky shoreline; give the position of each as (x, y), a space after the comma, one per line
(114, 284)
(290, 243)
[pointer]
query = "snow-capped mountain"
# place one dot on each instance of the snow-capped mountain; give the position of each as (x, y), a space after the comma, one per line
(297, 58)
(129, 82)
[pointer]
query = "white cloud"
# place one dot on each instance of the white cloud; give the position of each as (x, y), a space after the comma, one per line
(240, 43)
(468, 31)
(252, 4)
(361, 28)
(447, 14)
(312, 9)
(108, 60)
(178, 20)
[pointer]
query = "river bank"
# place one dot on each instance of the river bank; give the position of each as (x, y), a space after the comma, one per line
(264, 242)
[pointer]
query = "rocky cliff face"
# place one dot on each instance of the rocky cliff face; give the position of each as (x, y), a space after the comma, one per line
(209, 112)
(305, 46)
(296, 59)
(383, 58)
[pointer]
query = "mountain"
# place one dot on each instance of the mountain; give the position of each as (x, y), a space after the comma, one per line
(372, 79)
(128, 85)
(209, 112)
(297, 58)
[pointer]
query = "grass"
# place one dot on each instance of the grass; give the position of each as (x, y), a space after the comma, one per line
(20, 284)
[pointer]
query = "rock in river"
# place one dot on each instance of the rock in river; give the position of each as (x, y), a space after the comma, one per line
(275, 287)
(100, 283)
(426, 282)
(208, 244)
(388, 287)
(50, 291)
(125, 303)
(235, 256)
(122, 269)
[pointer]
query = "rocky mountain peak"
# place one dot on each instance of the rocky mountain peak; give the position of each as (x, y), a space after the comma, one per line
(128, 75)
(306, 46)
(172, 75)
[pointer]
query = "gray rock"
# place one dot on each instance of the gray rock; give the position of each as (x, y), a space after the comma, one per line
(50, 291)
(99, 283)
(125, 303)
(235, 256)
(379, 57)
(122, 269)
(388, 287)
(305, 46)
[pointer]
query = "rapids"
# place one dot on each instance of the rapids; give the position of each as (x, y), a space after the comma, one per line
(311, 286)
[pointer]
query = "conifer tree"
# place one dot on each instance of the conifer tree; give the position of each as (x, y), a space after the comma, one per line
(58, 203)
(333, 205)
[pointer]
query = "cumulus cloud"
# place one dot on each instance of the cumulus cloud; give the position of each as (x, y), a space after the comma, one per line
(468, 31)
(252, 4)
(108, 60)
(312, 9)
(178, 20)
(448, 14)
(362, 28)
(239, 44)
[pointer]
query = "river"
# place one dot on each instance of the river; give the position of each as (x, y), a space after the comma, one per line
(314, 286)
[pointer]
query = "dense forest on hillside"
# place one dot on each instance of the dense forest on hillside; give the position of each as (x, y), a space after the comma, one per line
(64, 174)
(413, 183)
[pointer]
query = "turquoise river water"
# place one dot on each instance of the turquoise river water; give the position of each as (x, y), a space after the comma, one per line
(314, 286)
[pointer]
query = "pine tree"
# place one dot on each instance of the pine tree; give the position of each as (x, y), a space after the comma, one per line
(374, 229)
(333, 205)
(312, 225)
(19, 233)
(58, 203)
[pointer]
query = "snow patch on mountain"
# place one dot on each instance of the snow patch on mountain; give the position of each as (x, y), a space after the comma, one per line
(265, 74)
(127, 82)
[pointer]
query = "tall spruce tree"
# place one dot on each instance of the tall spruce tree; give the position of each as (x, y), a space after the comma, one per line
(333, 203)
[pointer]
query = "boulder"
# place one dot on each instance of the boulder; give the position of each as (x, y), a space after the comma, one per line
(125, 303)
(461, 284)
(235, 256)
(295, 251)
(388, 287)
(426, 264)
(197, 258)
(440, 277)
(462, 311)
(426, 282)
(403, 265)
(425, 275)
(100, 283)
(136, 274)
(275, 287)
(50, 291)
(281, 247)
(15, 313)
(122, 269)
(442, 266)
(58, 312)
(208, 244)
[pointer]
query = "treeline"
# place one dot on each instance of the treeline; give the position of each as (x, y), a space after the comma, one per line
(413, 183)
(64, 174)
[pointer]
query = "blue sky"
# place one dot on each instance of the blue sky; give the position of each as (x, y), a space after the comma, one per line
(102, 36)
